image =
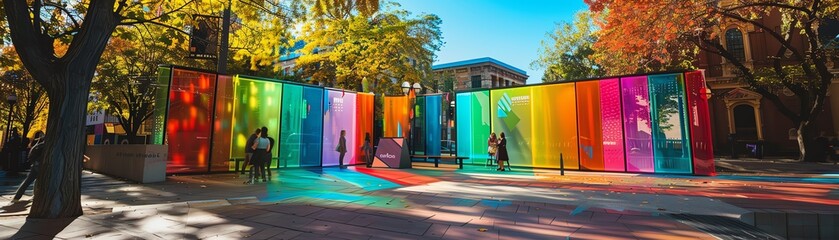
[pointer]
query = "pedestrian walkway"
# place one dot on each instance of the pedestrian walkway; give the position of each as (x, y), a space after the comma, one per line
(424, 202)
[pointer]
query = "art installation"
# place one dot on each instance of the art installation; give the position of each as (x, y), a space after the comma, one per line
(655, 123)
(207, 118)
(647, 124)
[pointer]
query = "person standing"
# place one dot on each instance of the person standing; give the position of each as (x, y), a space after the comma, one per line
(367, 149)
(270, 159)
(502, 152)
(249, 150)
(36, 155)
(12, 150)
(492, 146)
(341, 148)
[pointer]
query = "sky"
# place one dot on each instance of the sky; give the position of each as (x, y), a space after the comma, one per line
(509, 31)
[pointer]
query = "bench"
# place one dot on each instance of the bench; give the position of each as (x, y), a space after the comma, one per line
(458, 160)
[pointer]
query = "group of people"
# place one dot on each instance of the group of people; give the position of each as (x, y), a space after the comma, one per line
(498, 149)
(258, 155)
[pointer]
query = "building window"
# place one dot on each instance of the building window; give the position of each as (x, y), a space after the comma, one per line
(476, 81)
(734, 43)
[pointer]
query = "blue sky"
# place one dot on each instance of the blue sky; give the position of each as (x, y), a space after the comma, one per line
(510, 31)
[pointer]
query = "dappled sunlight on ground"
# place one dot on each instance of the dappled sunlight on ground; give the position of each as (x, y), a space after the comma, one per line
(470, 203)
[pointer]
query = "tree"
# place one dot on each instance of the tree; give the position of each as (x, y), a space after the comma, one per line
(659, 32)
(32, 100)
(350, 41)
(125, 81)
(567, 53)
(86, 27)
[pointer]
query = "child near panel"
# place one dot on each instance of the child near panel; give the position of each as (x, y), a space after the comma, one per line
(492, 147)
(367, 149)
(502, 152)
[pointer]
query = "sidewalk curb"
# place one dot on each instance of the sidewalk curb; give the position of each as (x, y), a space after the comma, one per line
(191, 204)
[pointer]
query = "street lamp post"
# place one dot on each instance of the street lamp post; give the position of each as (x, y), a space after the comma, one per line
(11, 100)
(449, 124)
(407, 88)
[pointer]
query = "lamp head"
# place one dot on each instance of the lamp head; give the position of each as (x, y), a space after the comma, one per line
(406, 87)
(11, 99)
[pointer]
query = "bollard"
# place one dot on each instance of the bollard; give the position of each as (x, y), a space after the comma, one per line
(561, 165)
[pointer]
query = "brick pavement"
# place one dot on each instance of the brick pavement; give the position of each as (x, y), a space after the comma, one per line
(409, 204)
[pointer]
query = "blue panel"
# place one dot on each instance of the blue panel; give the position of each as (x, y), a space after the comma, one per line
(311, 138)
(433, 129)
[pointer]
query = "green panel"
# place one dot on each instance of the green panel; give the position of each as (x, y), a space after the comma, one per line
(512, 115)
(161, 104)
(291, 124)
(256, 105)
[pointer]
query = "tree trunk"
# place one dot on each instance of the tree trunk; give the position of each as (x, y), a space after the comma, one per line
(58, 192)
(807, 144)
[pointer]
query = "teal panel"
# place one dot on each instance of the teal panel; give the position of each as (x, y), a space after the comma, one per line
(669, 124)
(290, 125)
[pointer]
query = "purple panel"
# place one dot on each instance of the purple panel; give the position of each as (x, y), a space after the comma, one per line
(610, 107)
(339, 114)
(636, 123)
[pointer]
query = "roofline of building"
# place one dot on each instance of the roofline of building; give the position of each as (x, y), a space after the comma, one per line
(478, 61)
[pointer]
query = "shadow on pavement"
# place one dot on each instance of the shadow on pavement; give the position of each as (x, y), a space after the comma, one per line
(44, 227)
(15, 207)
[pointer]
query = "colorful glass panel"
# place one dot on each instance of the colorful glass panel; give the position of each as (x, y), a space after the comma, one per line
(190, 121)
(669, 121)
(339, 114)
(612, 125)
(700, 124)
(591, 131)
(636, 122)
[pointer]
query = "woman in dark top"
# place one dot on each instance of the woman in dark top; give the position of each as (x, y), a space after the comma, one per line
(502, 152)
(342, 148)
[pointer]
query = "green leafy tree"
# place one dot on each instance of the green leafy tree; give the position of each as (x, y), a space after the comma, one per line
(567, 53)
(350, 41)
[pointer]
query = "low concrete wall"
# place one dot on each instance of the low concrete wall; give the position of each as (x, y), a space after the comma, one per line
(136, 162)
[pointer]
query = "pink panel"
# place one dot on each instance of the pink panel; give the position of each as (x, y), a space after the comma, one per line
(700, 124)
(610, 107)
(637, 127)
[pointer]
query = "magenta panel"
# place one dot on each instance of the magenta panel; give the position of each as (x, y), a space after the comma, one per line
(611, 117)
(700, 124)
(636, 124)
(338, 115)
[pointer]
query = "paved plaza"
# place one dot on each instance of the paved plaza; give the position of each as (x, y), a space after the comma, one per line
(423, 202)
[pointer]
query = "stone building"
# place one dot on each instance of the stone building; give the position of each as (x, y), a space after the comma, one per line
(481, 73)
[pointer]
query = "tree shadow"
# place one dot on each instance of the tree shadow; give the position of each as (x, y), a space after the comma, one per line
(15, 207)
(43, 227)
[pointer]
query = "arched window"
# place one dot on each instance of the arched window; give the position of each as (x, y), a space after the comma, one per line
(734, 43)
